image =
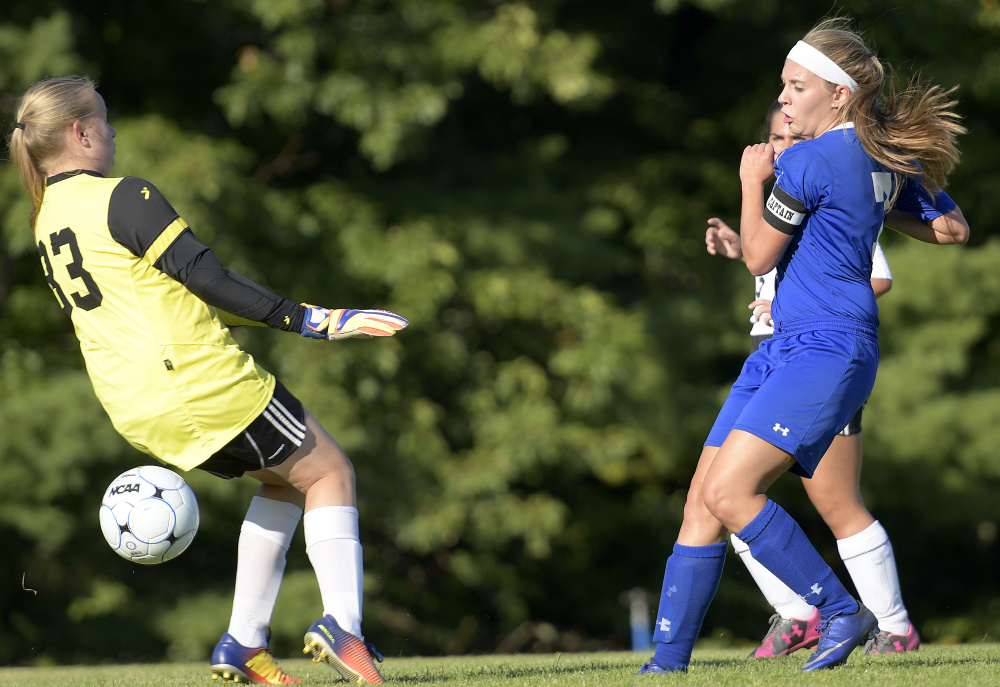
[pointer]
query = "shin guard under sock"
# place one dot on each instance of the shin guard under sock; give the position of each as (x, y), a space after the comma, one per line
(689, 583)
(778, 543)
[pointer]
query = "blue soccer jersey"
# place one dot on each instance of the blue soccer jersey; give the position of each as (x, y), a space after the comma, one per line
(832, 197)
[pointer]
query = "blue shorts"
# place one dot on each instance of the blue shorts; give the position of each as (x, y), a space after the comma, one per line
(800, 388)
(853, 427)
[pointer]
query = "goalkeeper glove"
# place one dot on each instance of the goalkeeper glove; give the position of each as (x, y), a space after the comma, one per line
(343, 323)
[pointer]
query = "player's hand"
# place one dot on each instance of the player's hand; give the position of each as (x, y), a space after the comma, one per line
(720, 239)
(757, 165)
(761, 312)
(344, 323)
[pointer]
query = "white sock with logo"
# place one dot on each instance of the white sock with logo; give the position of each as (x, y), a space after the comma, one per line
(781, 597)
(872, 565)
(265, 536)
(334, 547)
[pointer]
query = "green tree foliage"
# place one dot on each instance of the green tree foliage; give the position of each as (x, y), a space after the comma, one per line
(528, 183)
(388, 70)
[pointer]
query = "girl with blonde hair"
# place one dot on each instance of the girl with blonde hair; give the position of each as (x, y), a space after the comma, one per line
(865, 157)
(151, 306)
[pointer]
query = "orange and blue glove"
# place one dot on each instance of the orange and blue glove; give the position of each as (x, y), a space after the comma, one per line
(344, 323)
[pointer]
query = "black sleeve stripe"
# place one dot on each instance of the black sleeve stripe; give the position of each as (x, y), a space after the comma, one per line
(783, 212)
(137, 214)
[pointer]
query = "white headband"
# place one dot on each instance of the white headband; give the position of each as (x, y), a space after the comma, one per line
(820, 65)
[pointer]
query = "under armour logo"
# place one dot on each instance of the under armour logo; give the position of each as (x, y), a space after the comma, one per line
(664, 625)
(816, 589)
(779, 428)
(797, 632)
(671, 590)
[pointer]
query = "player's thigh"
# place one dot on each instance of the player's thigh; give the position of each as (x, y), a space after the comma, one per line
(834, 488)
(838, 475)
(319, 457)
(743, 470)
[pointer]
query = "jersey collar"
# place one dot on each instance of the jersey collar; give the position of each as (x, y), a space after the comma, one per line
(71, 173)
(840, 127)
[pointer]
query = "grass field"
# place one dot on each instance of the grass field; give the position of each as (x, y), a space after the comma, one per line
(947, 666)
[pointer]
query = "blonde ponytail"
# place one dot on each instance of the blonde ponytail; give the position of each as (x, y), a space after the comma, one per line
(44, 113)
(900, 127)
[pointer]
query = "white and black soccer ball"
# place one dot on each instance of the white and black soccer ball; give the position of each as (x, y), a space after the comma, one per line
(149, 514)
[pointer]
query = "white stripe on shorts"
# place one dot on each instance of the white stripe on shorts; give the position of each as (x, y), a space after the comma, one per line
(292, 422)
(280, 426)
(285, 422)
(256, 448)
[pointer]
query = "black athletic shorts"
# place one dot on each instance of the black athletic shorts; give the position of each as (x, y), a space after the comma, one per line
(853, 427)
(274, 435)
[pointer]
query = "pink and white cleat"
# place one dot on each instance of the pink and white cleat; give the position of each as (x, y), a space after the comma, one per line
(885, 643)
(787, 635)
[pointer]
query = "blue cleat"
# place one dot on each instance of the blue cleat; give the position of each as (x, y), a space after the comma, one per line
(233, 662)
(342, 651)
(653, 669)
(841, 635)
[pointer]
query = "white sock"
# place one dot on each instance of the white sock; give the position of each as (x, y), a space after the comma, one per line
(869, 559)
(265, 537)
(334, 548)
(781, 597)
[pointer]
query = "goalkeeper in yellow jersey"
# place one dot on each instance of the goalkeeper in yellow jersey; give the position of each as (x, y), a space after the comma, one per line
(150, 305)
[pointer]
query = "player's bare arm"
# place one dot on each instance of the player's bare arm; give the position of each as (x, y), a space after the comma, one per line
(950, 228)
(763, 245)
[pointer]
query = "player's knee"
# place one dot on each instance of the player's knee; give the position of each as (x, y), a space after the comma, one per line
(325, 464)
(830, 511)
(288, 493)
(327, 458)
(846, 519)
(695, 511)
(838, 506)
(335, 464)
(719, 501)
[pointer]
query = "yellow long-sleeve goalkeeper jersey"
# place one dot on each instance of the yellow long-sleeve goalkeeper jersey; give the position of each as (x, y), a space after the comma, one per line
(163, 363)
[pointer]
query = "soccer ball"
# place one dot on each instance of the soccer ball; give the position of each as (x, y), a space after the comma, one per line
(149, 514)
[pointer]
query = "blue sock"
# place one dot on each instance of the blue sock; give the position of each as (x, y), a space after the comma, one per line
(780, 545)
(689, 583)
